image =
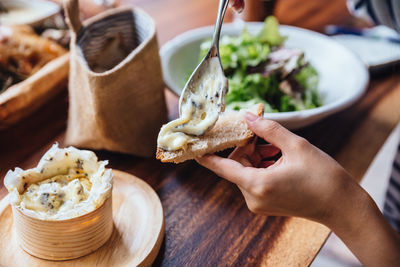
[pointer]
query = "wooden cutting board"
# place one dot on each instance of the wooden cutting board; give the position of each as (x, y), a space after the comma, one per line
(135, 241)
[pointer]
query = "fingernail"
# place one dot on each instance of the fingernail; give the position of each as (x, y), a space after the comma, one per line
(239, 10)
(237, 6)
(251, 117)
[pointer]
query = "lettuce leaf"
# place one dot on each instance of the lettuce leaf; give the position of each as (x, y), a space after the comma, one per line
(244, 59)
(308, 78)
(270, 32)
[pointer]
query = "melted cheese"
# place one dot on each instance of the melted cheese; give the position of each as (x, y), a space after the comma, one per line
(57, 194)
(199, 112)
(66, 183)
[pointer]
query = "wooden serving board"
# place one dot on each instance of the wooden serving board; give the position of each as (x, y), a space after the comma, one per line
(135, 241)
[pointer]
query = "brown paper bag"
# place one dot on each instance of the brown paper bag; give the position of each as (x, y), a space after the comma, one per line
(116, 91)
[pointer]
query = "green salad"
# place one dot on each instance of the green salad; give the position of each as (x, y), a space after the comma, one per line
(261, 70)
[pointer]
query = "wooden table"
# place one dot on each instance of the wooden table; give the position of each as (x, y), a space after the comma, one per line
(207, 221)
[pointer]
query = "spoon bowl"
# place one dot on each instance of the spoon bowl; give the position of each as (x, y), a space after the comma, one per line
(207, 81)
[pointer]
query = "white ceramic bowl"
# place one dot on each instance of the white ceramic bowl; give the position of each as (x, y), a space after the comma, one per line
(343, 76)
(28, 12)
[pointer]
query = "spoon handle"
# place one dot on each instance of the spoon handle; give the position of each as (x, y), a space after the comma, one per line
(223, 4)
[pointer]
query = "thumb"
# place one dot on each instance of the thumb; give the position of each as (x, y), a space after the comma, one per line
(270, 131)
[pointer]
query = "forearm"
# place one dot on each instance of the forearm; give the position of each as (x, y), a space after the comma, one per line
(362, 227)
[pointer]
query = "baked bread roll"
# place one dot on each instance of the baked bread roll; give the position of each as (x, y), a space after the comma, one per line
(23, 52)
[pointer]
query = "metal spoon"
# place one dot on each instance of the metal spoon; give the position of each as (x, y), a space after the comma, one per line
(192, 90)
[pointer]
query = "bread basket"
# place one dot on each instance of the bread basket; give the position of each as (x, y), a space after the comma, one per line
(116, 90)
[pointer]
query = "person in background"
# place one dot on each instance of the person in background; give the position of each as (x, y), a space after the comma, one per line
(306, 182)
(384, 13)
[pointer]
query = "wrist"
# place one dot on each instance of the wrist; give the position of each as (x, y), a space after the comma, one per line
(358, 222)
(351, 211)
(344, 201)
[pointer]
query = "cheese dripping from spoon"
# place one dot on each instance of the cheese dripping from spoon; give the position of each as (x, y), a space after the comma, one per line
(199, 110)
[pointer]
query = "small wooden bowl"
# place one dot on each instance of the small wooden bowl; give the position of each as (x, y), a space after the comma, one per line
(64, 239)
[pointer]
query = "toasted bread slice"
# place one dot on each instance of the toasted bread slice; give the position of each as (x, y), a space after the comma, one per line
(229, 131)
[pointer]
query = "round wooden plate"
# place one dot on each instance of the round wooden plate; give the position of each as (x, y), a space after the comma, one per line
(135, 241)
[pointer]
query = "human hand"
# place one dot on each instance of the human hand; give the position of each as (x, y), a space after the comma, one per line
(306, 182)
(237, 5)
(303, 182)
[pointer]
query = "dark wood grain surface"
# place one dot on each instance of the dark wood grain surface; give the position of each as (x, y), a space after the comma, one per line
(207, 221)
